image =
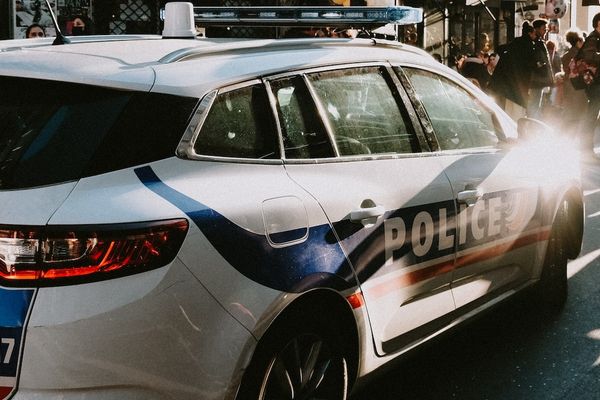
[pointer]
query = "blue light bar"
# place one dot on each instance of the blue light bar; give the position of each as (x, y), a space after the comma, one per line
(307, 16)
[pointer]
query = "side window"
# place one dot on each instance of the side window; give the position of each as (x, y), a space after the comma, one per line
(459, 120)
(239, 124)
(304, 135)
(363, 112)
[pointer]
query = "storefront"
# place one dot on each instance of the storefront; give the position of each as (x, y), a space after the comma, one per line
(100, 17)
(117, 16)
(454, 27)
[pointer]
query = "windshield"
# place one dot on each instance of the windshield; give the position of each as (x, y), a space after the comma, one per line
(53, 132)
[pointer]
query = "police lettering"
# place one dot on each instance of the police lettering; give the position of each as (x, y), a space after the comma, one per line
(482, 221)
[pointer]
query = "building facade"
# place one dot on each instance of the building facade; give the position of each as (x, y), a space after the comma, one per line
(450, 27)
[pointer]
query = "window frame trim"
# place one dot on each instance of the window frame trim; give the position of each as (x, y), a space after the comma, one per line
(399, 68)
(401, 99)
(186, 147)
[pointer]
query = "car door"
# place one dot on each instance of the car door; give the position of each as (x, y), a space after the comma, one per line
(498, 201)
(350, 142)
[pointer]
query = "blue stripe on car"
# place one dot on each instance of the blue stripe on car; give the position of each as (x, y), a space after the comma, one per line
(317, 262)
(14, 306)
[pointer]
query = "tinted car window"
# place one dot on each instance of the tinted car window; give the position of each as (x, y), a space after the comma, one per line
(53, 132)
(304, 135)
(148, 129)
(459, 120)
(363, 112)
(239, 124)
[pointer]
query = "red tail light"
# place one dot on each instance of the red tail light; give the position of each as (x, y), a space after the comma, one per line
(59, 255)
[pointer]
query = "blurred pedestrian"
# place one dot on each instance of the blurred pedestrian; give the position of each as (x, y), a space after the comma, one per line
(511, 79)
(492, 62)
(573, 101)
(542, 76)
(35, 31)
(552, 110)
(412, 38)
(459, 61)
(555, 61)
(475, 68)
(591, 54)
(80, 25)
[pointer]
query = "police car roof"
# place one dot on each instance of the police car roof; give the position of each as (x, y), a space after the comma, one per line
(172, 65)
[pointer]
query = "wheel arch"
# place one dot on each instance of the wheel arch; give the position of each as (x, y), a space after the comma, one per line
(322, 305)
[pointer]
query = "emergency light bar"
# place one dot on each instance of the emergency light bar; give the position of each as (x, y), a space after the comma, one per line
(307, 16)
(180, 17)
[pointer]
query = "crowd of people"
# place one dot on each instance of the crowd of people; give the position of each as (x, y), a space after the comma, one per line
(530, 77)
(76, 26)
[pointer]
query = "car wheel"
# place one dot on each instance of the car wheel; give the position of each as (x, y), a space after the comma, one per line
(306, 363)
(552, 287)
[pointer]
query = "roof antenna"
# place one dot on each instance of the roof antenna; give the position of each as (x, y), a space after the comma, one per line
(60, 38)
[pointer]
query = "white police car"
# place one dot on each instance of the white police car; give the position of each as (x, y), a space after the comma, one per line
(271, 219)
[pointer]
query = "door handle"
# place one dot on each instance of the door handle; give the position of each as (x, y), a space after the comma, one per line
(368, 213)
(469, 196)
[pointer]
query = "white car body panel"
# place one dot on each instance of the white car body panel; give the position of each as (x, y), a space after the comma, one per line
(501, 194)
(167, 310)
(77, 68)
(390, 289)
(123, 199)
(33, 206)
(264, 234)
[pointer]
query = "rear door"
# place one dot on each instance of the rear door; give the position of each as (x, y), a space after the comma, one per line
(499, 219)
(350, 142)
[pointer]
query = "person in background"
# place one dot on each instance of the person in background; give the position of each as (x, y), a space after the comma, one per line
(591, 54)
(437, 57)
(485, 45)
(553, 99)
(512, 75)
(475, 68)
(35, 31)
(412, 39)
(573, 101)
(79, 26)
(492, 61)
(458, 62)
(542, 76)
(555, 61)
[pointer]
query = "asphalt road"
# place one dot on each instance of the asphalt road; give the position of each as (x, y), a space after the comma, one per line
(511, 354)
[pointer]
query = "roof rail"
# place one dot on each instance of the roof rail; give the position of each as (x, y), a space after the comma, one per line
(263, 44)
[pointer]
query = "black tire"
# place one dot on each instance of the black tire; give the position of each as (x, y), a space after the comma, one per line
(296, 361)
(552, 289)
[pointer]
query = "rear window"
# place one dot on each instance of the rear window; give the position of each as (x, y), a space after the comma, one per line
(239, 124)
(52, 132)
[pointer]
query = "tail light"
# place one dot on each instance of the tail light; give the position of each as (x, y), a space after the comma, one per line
(60, 255)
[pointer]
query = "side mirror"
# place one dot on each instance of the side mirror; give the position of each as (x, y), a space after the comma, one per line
(529, 128)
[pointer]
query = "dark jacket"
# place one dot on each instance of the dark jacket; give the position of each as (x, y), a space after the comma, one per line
(512, 75)
(591, 55)
(474, 68)
(567, 57)
(591, 48)
(541, 74)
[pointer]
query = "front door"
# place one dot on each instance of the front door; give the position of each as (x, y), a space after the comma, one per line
(391, 205)
(499, 219)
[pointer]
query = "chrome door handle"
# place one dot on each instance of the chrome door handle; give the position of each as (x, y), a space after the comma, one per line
(469, 196)
(368, 213)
